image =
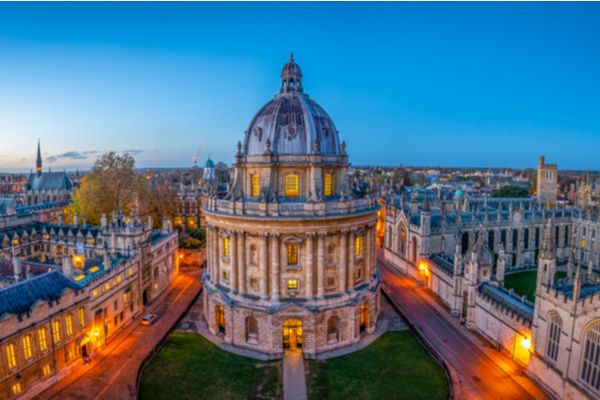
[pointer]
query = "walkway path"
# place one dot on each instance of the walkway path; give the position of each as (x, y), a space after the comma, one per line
(113, 372)
(478, 371)
(294, 379)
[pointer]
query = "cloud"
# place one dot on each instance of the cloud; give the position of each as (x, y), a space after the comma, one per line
(133, 152)
(69, 155)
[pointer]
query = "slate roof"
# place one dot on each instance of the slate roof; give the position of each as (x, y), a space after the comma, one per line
(22, 297)
(49, 181)
(7, 204)
(442, 262)
(587, 289)
(509, 301)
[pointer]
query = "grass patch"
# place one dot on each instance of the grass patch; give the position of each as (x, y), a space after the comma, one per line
(524, 282)
(190, 367)
(396, 366)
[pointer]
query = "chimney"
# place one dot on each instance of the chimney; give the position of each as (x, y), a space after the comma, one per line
(75, 219)
(165, 225)
(67, 267)
(16, 261)
(60, 219)
(103, 220)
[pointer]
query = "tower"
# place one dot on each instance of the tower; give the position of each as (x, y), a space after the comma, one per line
(38, 162)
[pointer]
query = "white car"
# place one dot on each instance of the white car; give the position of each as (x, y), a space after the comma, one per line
(149, 319)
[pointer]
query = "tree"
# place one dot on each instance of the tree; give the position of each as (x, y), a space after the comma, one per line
(511, 191)
(160, 201)
(112, 184)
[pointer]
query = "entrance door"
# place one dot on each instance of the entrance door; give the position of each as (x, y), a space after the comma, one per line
(364, 317)
(292, 334)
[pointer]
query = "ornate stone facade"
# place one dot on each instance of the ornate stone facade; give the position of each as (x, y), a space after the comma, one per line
(291, 249)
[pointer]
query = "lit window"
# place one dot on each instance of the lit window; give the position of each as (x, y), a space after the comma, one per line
(42, 339)
(255, 185)
(291, 185)
(225, 246)
(225, 275)
(27, 348)
(56, 330)
(16, 388)
(358, 274)
(583, 244)
(358, 243)
(11, 355)
(69, 324)
(72, 354)
(81, 315)
(292, 284)
(47, 370)
(292, 254)
(328, 184)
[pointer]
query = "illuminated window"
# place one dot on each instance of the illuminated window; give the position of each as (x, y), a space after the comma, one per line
(69, 324)
(225, 275)
(27, 348)
(358, 244)
(358, 274)
(583, 244)
(81, 315)
(328, 184)
(42, 338)
(11, 355)
(56, 330)
(291, 185)
(47, 370)
(292, 254)
(72, 353)
(225, 246)
(255, 185)
(292, 284)
(16, 388)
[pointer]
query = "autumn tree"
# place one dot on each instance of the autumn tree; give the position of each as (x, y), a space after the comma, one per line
(112, 184)
(160, 201)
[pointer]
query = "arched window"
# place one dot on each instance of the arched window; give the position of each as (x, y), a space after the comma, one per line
(225, 246)
(553, 341)
(220, 318)
(251, 330)
(590, 367)
(402, 238)
(333, 329)
(464, 243)
(414, 249)
(328, 184)
(255, 185)
(292, 183)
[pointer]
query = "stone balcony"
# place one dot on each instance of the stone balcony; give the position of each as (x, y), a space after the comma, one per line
(291, 208)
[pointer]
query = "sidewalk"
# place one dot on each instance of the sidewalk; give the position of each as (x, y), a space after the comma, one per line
(113, 373)
(294, 378)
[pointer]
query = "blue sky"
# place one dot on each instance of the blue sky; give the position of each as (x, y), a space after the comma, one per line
(415, 84)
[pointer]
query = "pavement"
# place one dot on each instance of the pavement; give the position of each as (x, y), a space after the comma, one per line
(113, 373)
(478, 370)
(294, 377)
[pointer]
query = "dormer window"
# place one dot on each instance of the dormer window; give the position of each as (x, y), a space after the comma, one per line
(328, 184)
(292, 185)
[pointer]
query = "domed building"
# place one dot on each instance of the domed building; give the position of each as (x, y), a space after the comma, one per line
(291, 248)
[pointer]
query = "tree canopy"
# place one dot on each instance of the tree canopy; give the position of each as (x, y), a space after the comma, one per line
(511, 191)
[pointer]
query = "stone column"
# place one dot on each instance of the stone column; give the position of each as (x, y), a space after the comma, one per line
(275, 251)
(351, 257)
(264, 284)
(368, 251)
(343, 260)
(233, 262)
(241, 253)
(321, 264)
(309, 264)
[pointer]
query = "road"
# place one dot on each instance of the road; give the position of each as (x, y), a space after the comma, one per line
(113, 373)
(478, 371)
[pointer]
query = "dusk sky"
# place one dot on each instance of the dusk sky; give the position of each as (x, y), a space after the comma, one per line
(414, 84)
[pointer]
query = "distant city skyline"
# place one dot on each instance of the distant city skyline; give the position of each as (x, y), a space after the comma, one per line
(452, 85)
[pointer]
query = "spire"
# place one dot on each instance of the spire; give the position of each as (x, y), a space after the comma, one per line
(38, 162)
(548, 250)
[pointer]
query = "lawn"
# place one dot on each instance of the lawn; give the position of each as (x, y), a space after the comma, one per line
(524, 282)
(190, 367)
(396, 366)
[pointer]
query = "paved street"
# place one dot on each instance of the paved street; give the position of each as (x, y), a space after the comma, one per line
(113, 373)
(479, 371)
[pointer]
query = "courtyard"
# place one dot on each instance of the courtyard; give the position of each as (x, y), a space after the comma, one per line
(523, 283)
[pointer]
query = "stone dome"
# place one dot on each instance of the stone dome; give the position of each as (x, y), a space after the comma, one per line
(291, 123)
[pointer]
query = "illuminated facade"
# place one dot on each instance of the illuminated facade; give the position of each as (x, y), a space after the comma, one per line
(291, 248)
(68, 289)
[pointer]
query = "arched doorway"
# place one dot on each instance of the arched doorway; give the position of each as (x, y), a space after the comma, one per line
(220, 318)
(364, 317)
(292, 334)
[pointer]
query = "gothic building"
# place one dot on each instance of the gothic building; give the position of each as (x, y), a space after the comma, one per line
(47, 187)
(547, 181)
(291, 248)
(463, 250)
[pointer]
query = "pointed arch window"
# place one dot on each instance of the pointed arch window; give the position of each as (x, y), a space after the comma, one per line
(554, 327)
(590, 358)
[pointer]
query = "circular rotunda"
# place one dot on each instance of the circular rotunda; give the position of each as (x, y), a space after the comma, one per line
(290, 245)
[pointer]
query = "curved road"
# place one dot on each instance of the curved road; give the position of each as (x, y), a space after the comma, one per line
(478, 371)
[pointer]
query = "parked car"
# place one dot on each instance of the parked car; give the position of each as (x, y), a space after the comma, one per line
(149, 319)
